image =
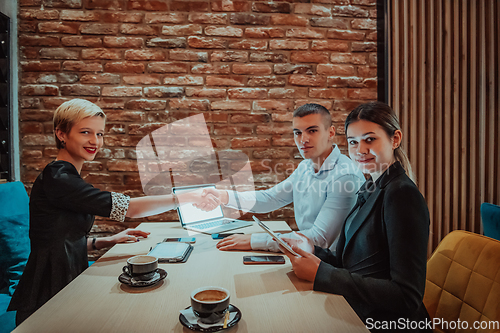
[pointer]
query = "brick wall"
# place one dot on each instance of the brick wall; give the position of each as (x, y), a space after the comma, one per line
(245, 65)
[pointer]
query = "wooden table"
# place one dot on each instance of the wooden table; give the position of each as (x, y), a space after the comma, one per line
(270, 297)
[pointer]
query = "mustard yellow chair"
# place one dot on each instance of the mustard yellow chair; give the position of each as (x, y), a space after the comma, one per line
(463, 284)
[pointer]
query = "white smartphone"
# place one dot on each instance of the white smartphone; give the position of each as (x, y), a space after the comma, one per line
(273, 235)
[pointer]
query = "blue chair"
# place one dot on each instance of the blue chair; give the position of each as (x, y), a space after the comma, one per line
(14, 246)
(490, 215)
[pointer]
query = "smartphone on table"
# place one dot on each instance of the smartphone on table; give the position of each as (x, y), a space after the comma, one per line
(190, 240)
(263, 260)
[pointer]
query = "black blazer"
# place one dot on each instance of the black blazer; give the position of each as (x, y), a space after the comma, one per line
(380, 265)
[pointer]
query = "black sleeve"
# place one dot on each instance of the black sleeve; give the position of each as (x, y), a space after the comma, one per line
(65, 189)
(325, 255)
(406, 219)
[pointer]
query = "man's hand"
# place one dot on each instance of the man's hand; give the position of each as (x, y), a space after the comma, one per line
(235, 242)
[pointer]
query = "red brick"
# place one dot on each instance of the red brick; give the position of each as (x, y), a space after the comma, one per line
(368, 94)
(38, 14)
(151, 5)
(135, 29)
(210, 69)
(188, 55)
(267, 57)
(249, 19)
(146, 104)
(168, 67)
(328, 93)
(207, 43)
(31, 128)
(98, 178)
(327, 104)
(58, 27)
(189, 104)
(364, 47)
(168, 43)
(122, 91)
(249, 118)
(40, 66)
(228, 129)
(27, 26)
(372, 59)
(364, 2)
(345, 34)
(106, 4)
(282, 69)
(365, 71)
(126, 42)
(80, 66)
(231, 105)
(175, 18)
(287, 19)
(370, 83)
(311, 9)
(124, 116)
(122, 17)
(349, 11)
(29, 53)
(144, 129)
(247, 93)
(64, 3)
(25, 40)
(143, 55)
(271, 105)
(52, 103)
(249, 142)
(339, 70)
(288, 93)
(205, 92)
(187, 80)
(141, 79)
(364, 24)
(28, 154)
(229, 56)
(251, 69)
(311, 56)
(278, 141)
(329, 45)
(58, 53)
(288, 45)
(208, 18)
(348, 58)
(329, 22)
(121, 164)
(80, 90)
(372, 36)
(277, 129)
(182, 30)
(37, 115)
(271, 7)
(246, 44)
(189, 6)
(40, 90)
(226, 80)
(105, 78)
(305, 33)
(266, 81)
(78, 15)
(224, 31)
(124, 67)
(99, 29)
(345, 106)
(349, 81)
(271, 153)
(230, 6)
(29, 103)
(271, 32)
(307, 80)
(101, 54)
(81, 41)
(38, 140)
(163, 92)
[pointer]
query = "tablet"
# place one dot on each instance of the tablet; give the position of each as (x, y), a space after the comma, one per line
(273, 235)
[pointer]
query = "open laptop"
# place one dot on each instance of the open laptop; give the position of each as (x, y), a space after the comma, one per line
(210, 222)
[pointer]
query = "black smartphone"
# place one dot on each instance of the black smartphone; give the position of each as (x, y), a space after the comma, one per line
(190, 240)
(224, 235)
(263, 260)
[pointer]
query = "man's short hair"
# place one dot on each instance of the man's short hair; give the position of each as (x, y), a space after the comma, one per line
(313, 108)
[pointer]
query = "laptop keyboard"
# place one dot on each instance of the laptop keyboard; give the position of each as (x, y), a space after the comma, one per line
(212, 224)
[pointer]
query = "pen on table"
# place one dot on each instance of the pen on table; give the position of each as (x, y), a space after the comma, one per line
(226, 318)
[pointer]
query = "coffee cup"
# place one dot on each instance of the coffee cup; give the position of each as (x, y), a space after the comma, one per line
(141, 267)
(210, 303)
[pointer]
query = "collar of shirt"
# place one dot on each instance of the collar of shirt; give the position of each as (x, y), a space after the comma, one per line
(327, 165)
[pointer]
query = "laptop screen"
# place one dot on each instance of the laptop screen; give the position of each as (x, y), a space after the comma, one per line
(190, 214)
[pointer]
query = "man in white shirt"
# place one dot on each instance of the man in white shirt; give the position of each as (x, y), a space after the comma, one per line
(322, 188)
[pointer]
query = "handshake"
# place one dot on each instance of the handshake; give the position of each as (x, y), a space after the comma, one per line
(207, 199)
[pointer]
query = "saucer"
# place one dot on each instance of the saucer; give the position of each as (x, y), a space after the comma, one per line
(214, 327)
(126, 279)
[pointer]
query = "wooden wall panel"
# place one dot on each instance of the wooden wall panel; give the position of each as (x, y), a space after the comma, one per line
(442, 79)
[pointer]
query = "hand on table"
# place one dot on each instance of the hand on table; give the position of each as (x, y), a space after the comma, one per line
(306, 266)
(128, 235)
(235, 242)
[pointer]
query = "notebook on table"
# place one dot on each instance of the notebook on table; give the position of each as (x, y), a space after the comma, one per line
(210, 222)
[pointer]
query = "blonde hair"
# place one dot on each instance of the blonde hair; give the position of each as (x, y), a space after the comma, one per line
(71, 112)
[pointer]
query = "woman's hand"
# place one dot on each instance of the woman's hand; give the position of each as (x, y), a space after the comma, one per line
(301, 241)
(128, 235)
(305, 266)
(235, 242)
